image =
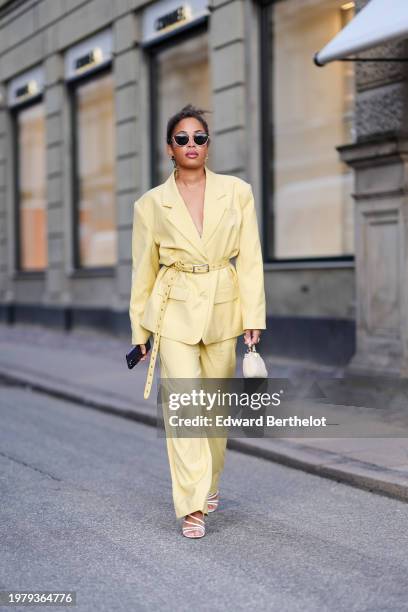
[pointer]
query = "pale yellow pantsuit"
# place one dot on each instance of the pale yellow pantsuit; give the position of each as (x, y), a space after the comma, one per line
(196, 464)
(205, 312)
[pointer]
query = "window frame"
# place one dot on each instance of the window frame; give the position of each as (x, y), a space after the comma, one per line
(152, 53)
(72, 86)
(15, 134)
(266, 31)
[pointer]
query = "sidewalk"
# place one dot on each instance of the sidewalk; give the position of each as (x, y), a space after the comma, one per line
(89, 368)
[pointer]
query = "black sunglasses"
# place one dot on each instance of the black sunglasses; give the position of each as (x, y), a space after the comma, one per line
(181, 139)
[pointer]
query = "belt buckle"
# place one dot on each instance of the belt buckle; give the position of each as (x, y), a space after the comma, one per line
(200, 266)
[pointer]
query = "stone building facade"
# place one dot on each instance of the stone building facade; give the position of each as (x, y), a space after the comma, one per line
(378, 157)
(86, 87)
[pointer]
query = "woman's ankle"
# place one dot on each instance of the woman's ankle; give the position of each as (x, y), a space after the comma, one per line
(194, 513)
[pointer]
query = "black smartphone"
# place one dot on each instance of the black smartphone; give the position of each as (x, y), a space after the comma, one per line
(133, 356)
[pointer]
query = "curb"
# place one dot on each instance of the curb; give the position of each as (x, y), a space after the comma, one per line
(360, 474)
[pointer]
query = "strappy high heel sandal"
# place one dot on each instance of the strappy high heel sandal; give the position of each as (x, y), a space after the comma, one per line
(194, 527)
(212, 501)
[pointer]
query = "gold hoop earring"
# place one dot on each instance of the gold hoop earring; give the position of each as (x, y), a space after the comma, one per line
(174, 166)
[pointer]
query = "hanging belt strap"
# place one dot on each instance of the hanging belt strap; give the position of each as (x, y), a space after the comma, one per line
(182, 267)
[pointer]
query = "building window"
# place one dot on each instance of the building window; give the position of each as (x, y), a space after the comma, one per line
(94, 172)
(308, 111)
(179, 74)
(31, 218)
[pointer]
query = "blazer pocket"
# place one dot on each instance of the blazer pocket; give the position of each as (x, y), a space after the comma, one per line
(226, 294)
(176, 292)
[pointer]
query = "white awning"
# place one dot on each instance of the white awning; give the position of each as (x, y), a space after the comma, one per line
(378, 22)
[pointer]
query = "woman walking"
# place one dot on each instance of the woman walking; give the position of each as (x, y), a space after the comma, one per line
(186, 290)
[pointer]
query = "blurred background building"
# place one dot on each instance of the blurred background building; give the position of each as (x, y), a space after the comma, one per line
(86, 89)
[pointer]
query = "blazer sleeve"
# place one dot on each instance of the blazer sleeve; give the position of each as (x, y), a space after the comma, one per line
(145, 266)
(249, 267)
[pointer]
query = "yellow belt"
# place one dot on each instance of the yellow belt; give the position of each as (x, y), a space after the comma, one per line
(183, 267)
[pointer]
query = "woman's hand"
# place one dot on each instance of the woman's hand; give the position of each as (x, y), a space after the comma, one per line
(143, 349)
(252, 336)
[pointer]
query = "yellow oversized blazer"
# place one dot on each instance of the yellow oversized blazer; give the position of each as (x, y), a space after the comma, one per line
(211, 306)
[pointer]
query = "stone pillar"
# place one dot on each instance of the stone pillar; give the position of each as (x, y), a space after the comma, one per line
(57, 218)
(233, 50)
(379, 157)
(131, 161)
(4, 276)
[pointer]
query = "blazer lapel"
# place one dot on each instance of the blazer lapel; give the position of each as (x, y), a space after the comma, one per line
(215, 204)
(179, 215)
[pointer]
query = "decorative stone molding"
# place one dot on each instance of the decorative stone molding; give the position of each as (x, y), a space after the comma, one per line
(381, 257)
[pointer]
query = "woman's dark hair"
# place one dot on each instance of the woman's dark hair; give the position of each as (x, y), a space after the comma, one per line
(187, 111)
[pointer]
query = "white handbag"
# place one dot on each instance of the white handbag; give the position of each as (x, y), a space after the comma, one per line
(253, 366)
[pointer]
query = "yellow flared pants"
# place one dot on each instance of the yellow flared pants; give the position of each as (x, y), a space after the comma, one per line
(196, 463)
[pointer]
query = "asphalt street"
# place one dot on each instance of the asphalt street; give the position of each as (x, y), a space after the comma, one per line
(86, 506)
